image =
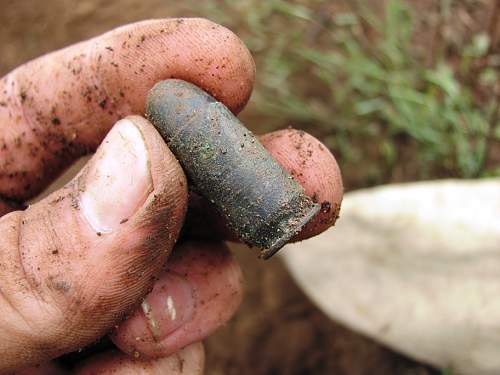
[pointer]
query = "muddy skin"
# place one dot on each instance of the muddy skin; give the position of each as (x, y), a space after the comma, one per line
(60, 106)
(262, 204)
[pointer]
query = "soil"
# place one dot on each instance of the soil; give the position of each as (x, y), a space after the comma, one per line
(277, 330)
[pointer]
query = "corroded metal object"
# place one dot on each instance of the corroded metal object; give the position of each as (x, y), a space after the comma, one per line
(261, 202)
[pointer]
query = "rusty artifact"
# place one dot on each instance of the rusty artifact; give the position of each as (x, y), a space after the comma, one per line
(262, 204)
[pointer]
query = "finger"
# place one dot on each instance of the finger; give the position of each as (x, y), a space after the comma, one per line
(315, 168)
(60, 106)
(188, 361)
(74, 263)
(199, 291)
(308, 161)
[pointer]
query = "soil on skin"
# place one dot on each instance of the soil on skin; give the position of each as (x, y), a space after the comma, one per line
(277, 330)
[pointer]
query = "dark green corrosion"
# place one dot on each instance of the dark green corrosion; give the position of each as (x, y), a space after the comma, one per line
(263, 205)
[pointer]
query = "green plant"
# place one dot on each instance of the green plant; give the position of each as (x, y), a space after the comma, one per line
(357, 79)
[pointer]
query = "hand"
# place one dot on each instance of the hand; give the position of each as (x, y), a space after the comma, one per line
(78, 263)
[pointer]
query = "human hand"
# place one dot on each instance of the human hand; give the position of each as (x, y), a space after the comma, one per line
(75, 264)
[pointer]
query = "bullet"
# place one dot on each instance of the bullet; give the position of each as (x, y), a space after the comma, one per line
(262, 204)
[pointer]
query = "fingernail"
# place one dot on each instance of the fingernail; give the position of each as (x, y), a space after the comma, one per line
(118, 180)
(169, 306)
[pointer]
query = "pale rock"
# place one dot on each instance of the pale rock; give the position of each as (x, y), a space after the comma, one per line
(416, 267)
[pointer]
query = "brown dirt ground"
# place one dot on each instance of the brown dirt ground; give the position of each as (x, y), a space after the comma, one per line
(277, 330)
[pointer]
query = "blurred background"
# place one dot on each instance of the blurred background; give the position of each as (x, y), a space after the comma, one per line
(399, 90)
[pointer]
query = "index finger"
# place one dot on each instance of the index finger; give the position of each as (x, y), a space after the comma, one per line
(60, 106)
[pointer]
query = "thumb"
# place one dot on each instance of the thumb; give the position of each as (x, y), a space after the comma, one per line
(73, 264)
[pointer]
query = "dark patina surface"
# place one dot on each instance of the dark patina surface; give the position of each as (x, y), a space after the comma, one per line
(225, 162)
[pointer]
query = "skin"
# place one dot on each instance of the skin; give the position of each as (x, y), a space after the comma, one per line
(79, 263)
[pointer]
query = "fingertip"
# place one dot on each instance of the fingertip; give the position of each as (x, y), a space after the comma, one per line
(230, 76)
(196, 50)
(169, 182)
(315, 168)
(117, 221)
(200, 290)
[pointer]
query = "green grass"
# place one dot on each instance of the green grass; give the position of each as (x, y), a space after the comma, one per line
(388, 106)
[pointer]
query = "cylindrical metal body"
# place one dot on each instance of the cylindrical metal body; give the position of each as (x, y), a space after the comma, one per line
(226, 163)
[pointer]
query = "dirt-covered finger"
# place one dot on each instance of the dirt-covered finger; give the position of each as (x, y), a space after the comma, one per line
(60, 106)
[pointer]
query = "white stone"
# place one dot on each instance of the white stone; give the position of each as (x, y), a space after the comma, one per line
(416, 267)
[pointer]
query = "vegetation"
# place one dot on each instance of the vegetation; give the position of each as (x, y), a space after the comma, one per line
(391, 104)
